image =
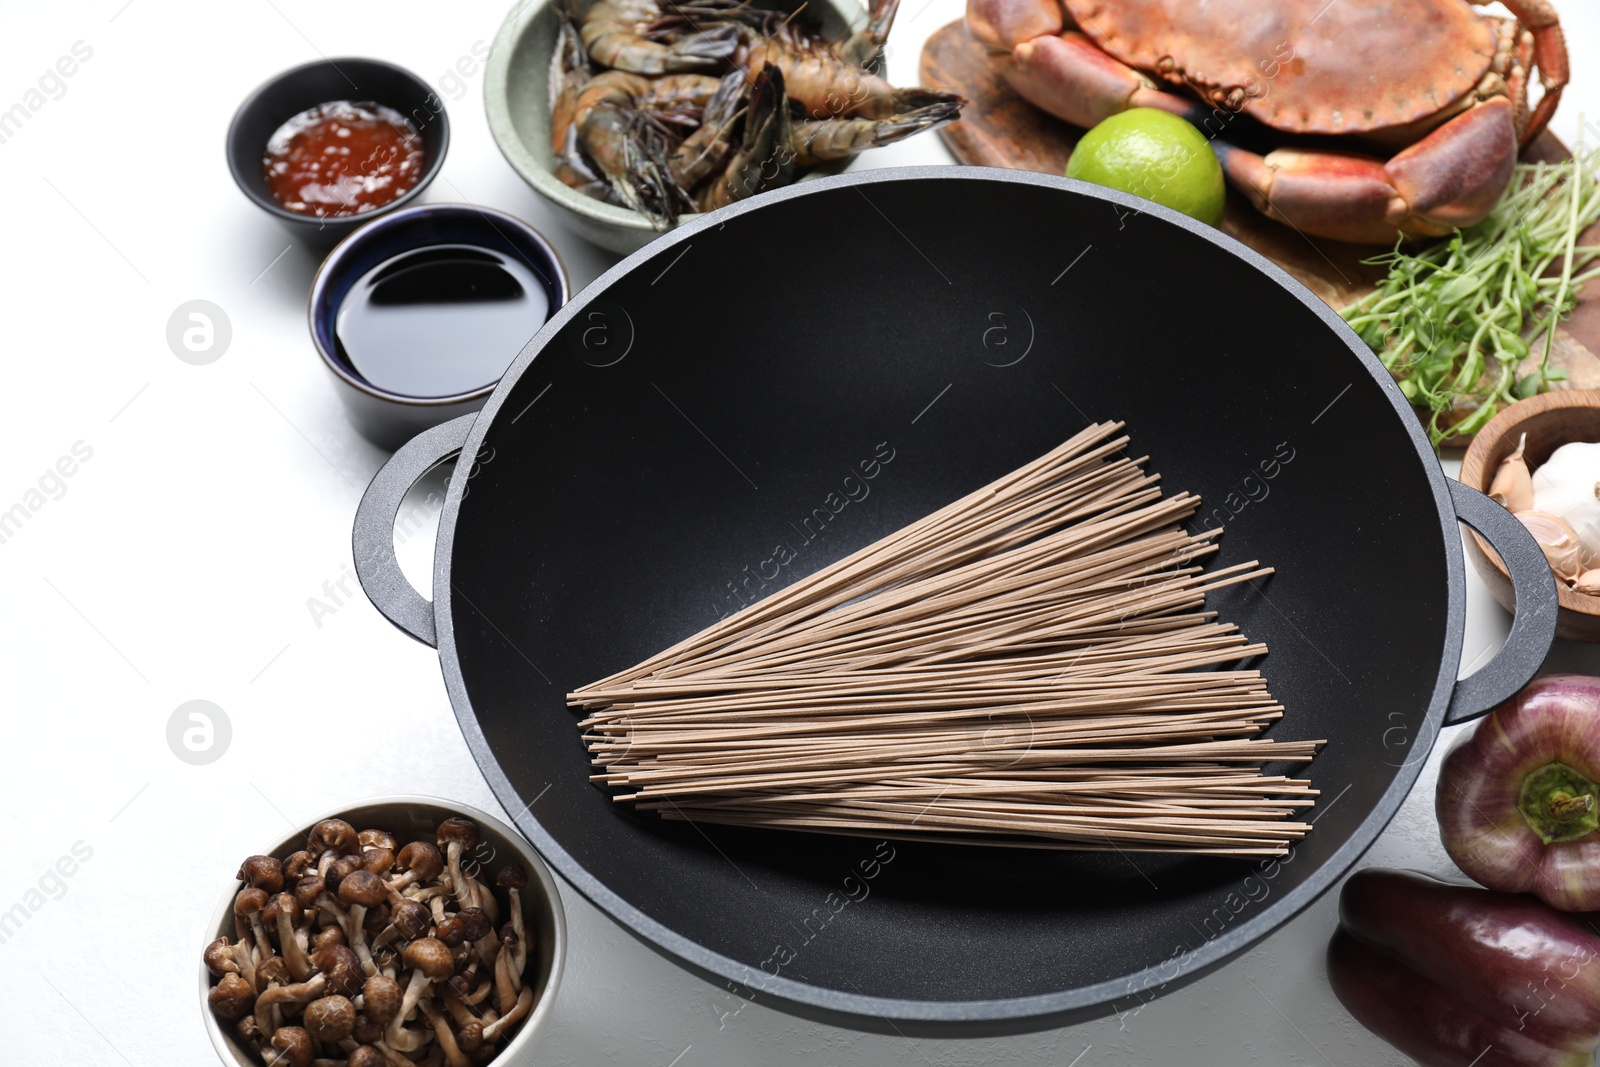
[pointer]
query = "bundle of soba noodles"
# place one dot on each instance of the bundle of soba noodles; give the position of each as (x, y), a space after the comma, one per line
(1032, 665)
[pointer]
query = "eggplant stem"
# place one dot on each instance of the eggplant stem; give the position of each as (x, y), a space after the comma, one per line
(1564, 807)
(1559, 803)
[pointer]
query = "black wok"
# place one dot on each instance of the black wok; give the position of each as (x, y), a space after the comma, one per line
(696, 406)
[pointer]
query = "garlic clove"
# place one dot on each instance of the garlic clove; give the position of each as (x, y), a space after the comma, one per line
(1512, 487)
(1567, 485)
(1588, 583)
(1558, 541)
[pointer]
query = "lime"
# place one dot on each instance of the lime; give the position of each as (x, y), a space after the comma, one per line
(1155, 155)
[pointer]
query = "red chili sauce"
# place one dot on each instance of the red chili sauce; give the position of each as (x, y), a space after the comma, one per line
(343, 158)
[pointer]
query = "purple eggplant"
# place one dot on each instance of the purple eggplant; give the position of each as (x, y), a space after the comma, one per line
(1518, 800)
(1456, 976)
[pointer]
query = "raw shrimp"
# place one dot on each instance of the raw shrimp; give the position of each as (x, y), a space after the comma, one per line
(764, 158)
(680, 90)
(861, 48)
(832, 80)
(637, 36)
(704, 150)
(679, 99)
(628, 148)
(820, 140)
(569, 73)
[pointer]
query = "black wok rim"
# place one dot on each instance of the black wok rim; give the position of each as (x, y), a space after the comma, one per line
(957, 1016)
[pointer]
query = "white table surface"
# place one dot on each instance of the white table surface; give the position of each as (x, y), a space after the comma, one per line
(178, 560)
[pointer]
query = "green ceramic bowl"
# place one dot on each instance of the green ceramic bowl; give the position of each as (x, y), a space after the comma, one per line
(516, 97)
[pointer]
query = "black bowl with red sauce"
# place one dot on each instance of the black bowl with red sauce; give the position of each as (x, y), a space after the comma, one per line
(384, 112)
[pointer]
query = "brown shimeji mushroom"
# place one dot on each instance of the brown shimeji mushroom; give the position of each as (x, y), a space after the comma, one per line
(308, 889)
(430, 961)
(219, 958)
(446, 1036)
(470, 994)
(293, 993)
(388, 961)
(393, 1057)
(466, 970)
(489, 944)
(338, 971)
(273, 971)
(435, 896)
(330, 839)
(513, 879)
(365, 1031)
(223, 957)
(416, 862)
(408, 921)
(361, 889)
(456, 835)
(333, 835)
(507, 980)
(330, 1018)
(376, 839)
(495, 1030)
(381, 998)
(293, 1045)
(273, 975)
(339, 869)
(231, 998)
(247, 909)
(288, 915)
(298, 865)
(459, 1011)
(329, 935)
(380, 1002)
(377, 920)
(366, 1056)
(468, 924)
(341, 968)
(243, 956)
(328, 904)
(470, 1036)
(380, 861)
(261, 872)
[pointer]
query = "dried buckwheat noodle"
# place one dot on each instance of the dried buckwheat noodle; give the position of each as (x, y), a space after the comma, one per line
(1033, 665)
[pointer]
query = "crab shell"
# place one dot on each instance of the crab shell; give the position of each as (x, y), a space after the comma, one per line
(1303, 66)
(1399, 116)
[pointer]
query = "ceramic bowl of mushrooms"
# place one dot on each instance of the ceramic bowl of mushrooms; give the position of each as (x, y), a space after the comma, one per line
(1540, 459)
(404, 930)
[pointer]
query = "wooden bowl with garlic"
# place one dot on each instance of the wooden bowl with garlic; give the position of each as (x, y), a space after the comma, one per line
(1540, 458)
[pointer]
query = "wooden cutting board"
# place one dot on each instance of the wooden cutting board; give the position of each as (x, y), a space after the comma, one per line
(999, 129)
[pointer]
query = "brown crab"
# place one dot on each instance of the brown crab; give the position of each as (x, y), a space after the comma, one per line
(1432, 94)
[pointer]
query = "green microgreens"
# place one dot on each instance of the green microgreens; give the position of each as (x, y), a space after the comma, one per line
(1453, 321)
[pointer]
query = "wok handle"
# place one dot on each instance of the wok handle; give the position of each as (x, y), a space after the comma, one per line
(1533, 624)
(373, 538)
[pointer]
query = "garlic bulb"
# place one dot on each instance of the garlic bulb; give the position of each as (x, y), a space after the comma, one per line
(1559, 542)
(1512, 487)
(1567, 485)
(1588, 583)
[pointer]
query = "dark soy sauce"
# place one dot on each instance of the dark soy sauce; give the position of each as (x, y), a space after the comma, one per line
(441, 320)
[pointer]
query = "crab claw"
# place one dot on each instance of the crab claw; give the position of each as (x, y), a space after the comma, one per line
(1001, 25)
(1452, 177)
(1071, 78)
